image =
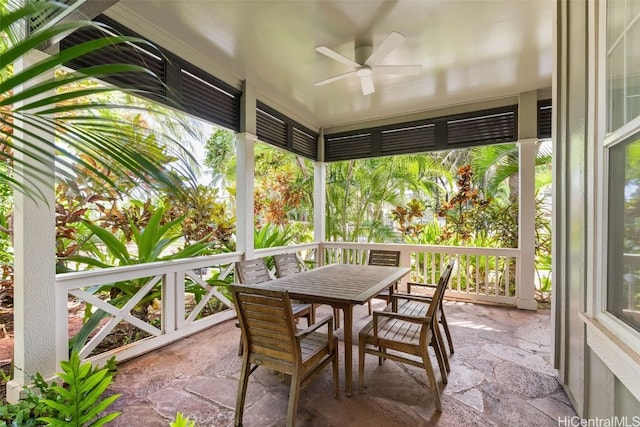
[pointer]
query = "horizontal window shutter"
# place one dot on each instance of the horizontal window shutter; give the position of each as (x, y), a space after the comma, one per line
(271, 129)
(484, 127)
(305, 144)
(279, 130)
(544, 119)
(411, 139)
(120, 54)
(480, 128)
(348, 147)
(206, 97)
(176, 83)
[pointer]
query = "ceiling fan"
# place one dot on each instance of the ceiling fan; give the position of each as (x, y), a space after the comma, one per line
(366, 63)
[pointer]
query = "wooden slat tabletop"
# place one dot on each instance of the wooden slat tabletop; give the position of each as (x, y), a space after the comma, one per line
(340, 283)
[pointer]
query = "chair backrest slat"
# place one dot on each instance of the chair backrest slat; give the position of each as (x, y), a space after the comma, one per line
(252, 271)
(384, 258)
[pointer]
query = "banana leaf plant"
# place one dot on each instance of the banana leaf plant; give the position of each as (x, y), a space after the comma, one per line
(152, 243)
(42, 122)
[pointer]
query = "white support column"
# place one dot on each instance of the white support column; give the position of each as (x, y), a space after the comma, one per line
(319, 207)
(320, 200)
(525, 293)
(527, 144)
(245, 169)
(34, 276)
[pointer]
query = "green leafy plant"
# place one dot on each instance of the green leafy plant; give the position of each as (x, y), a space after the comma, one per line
(79, 402)
(84, 382)
(182, 421)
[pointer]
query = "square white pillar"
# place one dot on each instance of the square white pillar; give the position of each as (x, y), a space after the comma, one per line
(34, 268)
(245, 168)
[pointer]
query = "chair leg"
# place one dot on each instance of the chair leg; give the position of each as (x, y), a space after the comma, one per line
(242, 389)
(380, 358)
(294, 391)
(428, 367)
(313, 313)
(441, 346)
(443, 320)
(441, 357)
(361, 348)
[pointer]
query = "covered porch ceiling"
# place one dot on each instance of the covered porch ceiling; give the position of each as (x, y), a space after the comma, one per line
(470, 51)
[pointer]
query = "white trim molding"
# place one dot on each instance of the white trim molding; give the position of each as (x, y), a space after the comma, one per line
(618, 350)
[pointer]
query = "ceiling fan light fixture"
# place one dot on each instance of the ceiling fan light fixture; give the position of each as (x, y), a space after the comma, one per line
(364, 72)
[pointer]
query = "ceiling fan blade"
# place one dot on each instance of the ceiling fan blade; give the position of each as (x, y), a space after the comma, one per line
(391, 42)
(407, 70)
(367, 85)
(336, 56)
(333, 79)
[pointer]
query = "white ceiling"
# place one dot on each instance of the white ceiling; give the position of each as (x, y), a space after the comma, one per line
(470, 50)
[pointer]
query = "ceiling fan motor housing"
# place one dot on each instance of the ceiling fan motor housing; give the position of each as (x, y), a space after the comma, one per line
(363, 52)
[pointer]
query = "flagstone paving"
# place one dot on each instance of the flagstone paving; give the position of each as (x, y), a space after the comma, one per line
(501, 375)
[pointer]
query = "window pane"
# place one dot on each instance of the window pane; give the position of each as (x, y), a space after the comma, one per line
(615, 87)
(633, 71)
(633, 8)
(624, 231)
(623, 62)
(615, 21)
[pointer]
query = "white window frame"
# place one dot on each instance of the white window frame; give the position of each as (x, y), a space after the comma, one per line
(616, 343)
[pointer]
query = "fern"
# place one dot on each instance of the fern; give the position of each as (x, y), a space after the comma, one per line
(79, 402)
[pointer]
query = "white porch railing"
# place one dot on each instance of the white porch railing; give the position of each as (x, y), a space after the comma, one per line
(481, 274)
(166, 279)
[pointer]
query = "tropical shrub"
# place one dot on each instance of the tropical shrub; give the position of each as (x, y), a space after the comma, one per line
(465, 212)
(206, 218)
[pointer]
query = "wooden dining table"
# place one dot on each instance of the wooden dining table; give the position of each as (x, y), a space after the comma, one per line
(341, 286)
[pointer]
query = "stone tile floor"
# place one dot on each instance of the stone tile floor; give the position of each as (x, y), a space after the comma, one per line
(501, 375)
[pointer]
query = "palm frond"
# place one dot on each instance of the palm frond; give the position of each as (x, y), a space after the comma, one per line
(40, 123)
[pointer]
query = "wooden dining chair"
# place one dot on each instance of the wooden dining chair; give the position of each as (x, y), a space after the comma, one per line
(407, 332)
(288, 264)
(271, 340)
(255, 271)
(442, 318)
(388, 258)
